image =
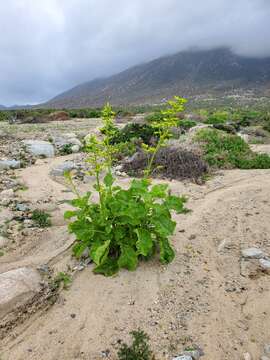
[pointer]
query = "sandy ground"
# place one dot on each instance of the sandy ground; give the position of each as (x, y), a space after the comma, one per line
(206, 297)
(200, 298)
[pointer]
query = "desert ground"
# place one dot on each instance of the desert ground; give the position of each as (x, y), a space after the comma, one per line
(211, 297)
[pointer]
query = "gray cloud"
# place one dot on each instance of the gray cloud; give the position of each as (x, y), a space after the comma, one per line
(50, 46)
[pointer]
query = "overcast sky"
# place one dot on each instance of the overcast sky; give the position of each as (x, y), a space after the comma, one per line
(48, 46)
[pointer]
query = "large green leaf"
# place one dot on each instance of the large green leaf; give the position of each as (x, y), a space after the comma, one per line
(128, 258)
(164, 226)
(107, 268)
(176, 203)
(159, 191)
(166, 251)
(144, 243)
(108, 180)
(99, 252)
(69, 214)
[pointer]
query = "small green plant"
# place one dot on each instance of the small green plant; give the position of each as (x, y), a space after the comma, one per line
(66, 149)
(63, 278)
(125, 225)
(224, 150)
(186, 124)
(138, 350)
(2, 253)
(41, 218)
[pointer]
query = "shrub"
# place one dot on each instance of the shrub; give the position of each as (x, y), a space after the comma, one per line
(133, 131)
(172, 162)
(154, 117)
(66, 149)
(138, 350)
(124, 226)
(218, 117)
(41, 218)
(186, 124)
(225, 151)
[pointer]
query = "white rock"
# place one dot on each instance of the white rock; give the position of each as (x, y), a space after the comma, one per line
(183, 357)
(75, 148)
(252, 253)
(17, 287)
(9, 164)
(247, 356)
(8, 194)
(39, 148)
(265, 265)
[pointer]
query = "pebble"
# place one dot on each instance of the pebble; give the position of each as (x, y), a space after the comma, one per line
(3, 241)
(267, 349)
(265, 265)
(247, 356)
(253, 253)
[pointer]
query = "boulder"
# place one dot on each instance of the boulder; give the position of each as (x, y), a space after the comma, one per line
(9, 164)
(17, 287)
(61, 169)
(252, 253)
(39, 148)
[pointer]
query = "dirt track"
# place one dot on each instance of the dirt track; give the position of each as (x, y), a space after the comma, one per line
(205, 297)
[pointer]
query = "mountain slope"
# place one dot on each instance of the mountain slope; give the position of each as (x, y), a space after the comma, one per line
(186, 73)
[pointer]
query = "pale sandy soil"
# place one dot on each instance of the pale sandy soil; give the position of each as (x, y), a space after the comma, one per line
(205, 297)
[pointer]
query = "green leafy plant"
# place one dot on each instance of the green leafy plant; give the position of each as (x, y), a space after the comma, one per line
(41, 218)
(138, 350)
(63, 278)
(224, 150)
(125, 225)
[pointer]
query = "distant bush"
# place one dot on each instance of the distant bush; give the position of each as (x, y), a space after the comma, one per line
(134, 131)
(186, 124)
(224, 150)
(219, 117)
(154, 117)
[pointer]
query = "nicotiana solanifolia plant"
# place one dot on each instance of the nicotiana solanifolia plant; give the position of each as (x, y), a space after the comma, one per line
(124, 225)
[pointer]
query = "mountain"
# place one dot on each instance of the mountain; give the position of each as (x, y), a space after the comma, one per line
(187, 73)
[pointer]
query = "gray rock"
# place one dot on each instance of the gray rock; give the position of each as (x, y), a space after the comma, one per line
(9, 164)
(183, 357)
(17, 287)
(265, 265)
(267, 349)
(3, 241)
(195, 354)
(252, 253)
(39, 148)
(22, 207)
(62, 168)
